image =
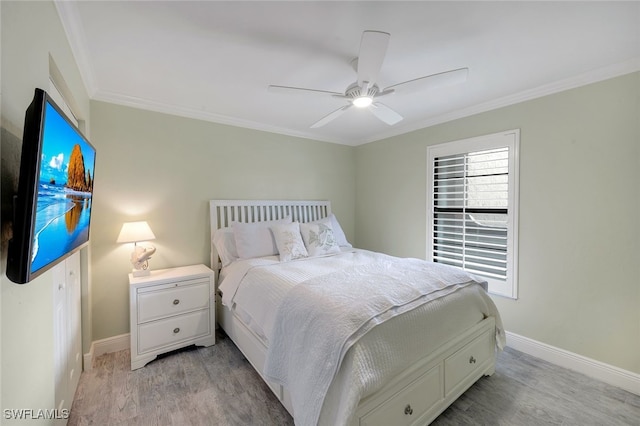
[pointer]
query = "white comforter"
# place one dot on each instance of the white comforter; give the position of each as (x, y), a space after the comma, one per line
(324, 356)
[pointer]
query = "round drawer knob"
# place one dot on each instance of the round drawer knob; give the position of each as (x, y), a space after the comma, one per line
(408, 410)
(176, 301)
(472, 360)
(176, 330)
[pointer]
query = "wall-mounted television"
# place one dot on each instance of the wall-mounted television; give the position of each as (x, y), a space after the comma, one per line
(52, 208)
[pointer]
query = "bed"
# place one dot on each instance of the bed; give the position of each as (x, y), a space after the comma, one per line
(289, 295)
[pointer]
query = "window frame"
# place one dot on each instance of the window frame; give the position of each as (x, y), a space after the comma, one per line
(511, 140)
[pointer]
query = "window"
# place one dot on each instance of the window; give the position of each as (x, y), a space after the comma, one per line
(473, 207)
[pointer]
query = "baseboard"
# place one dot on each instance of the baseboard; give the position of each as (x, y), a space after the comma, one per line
(610, 374)
(87, 364)
(105, 346)
(606, 373)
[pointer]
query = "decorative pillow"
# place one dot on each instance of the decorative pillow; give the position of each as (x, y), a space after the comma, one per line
(338, 232)
(289, 241)
(341, 239)
(319, 238)
(255, 239)
(225, 243)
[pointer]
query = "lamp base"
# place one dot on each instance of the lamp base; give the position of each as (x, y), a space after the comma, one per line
(140, 272)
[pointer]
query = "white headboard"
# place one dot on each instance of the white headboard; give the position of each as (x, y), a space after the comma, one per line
(223, 212)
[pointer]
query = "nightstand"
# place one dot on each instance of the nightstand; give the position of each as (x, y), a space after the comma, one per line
(170, 309)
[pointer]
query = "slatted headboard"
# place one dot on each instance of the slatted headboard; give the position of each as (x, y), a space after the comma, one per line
(223, 212)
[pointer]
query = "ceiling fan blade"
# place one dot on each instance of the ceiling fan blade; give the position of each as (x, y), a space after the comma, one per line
(446, 78)
(301, 90)
(384, 93)
(385, 113)
(330, 117)
(373, 48)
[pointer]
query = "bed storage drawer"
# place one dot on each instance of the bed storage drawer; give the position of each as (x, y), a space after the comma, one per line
(410, 404)
(468, 360)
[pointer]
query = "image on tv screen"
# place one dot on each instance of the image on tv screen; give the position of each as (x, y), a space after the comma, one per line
(65, 189)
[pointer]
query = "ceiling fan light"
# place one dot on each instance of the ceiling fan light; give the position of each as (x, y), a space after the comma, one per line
(362, 101)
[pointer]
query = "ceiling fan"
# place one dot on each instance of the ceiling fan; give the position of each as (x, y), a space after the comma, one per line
(365, 91)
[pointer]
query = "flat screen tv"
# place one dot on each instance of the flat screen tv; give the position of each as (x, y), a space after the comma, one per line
(52, 209)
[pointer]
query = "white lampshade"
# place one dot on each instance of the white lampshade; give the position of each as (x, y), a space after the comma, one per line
(133, 232)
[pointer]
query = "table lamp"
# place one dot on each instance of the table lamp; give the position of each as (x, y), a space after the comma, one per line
(135, 232)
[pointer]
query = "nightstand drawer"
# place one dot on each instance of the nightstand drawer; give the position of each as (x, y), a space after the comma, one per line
(156, 334)
(172, 301)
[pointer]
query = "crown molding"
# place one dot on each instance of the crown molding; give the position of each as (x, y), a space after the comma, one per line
(72, 24)
(584, 79)
(594, 76)
(187, 112)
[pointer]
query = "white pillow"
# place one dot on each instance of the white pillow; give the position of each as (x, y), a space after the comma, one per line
(255, 239)
(319, 238)
(341, 239)
(225, 243)
(338, 232)
(289, 241)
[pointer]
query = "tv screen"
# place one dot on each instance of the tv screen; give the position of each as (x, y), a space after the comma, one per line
(52, 209)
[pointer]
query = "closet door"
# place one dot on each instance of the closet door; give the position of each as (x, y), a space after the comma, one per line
(74, 325)
(60, 335)
(67, 330)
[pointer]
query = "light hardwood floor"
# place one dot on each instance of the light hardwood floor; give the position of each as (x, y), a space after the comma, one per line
(217, 386)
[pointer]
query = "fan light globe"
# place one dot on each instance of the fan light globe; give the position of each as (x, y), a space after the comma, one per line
(362, 101)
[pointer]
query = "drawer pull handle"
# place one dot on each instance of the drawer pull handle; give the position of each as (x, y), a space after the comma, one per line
(176, 330)
(472, 360)
(408, 410)
(176, 301)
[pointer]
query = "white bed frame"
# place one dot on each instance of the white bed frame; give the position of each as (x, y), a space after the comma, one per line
(415, 397)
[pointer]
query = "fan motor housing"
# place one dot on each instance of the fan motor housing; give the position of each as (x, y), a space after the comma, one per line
(354, 91)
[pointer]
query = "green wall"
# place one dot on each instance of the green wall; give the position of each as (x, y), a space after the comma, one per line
(579, 225)
(164, 169)
(579, 203)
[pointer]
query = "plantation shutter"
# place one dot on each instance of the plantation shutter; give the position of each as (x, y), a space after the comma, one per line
(472, 208)
(470, 211)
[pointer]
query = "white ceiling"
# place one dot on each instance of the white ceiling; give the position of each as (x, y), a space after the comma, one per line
(214, 60)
